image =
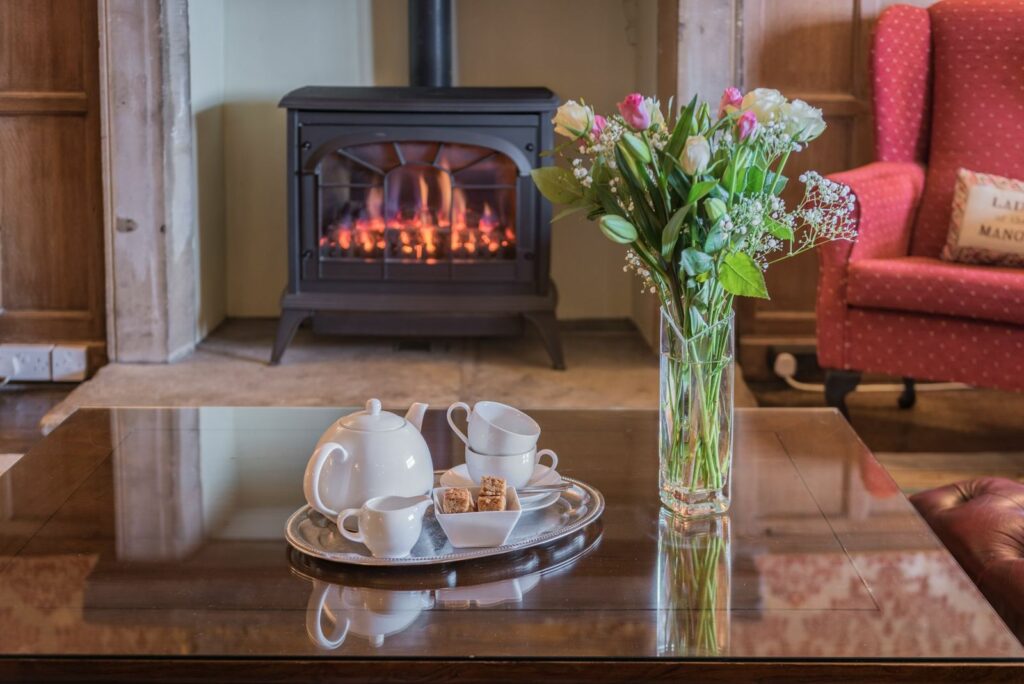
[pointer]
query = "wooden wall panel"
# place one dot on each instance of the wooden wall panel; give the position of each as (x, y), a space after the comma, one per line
(51, 225)
(817, 51)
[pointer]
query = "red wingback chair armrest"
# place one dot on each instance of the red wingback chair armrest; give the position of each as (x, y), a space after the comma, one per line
(887, 196)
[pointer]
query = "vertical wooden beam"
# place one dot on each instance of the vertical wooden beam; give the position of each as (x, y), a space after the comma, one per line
(146, 131)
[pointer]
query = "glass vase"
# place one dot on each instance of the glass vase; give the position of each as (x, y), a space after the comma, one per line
(695, 436)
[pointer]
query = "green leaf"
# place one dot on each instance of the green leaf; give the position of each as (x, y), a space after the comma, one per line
(636, 147)
(779, 230)
(608, 201)
(679, 185)
(735, 174)
(695, 262)
(755, 180)
(569, 211)
(775, 183)
(719, 192)
(740, 275)
(670, 235)
(557, 184)
(717, 239)
(698, 190)
(684, 124)
(635, 188)
(617, 229)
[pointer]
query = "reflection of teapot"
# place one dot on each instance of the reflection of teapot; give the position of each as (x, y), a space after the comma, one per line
(370, 613)
(368, 454)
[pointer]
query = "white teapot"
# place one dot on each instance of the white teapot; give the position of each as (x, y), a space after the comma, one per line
(366, 454)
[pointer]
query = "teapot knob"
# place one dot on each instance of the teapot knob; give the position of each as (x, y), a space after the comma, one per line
(373, 407)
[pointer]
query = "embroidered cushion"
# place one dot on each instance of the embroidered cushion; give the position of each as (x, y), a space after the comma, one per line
(987, 222)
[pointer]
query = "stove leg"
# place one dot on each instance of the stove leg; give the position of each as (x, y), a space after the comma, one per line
(290, 321)
(547, 326)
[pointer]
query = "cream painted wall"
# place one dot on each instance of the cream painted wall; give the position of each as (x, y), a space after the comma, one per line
(595, 49)
(270, 48)
(580, 49)
(206, 45)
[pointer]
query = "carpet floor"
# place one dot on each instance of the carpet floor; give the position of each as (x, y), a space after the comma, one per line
(606, 369)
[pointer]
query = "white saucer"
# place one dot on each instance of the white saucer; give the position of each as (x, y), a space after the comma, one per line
(542, 475)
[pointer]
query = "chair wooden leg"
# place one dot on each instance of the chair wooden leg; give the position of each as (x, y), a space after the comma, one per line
(909, 396)
(839, 383)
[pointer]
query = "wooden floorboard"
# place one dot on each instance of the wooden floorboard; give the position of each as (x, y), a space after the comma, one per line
(21, 408)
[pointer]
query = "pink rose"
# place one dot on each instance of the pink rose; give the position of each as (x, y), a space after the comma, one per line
(730, 102)
(636, 112)
(746, 124)
(597, 126)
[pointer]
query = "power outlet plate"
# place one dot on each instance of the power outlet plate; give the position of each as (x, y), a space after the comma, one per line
(68, 363)
(29, 361)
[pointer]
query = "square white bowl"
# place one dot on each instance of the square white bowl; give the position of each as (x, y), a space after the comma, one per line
(478, 528)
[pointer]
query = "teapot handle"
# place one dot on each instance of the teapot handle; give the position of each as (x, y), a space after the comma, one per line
(314, 617)
(312, 482)
(451, 409)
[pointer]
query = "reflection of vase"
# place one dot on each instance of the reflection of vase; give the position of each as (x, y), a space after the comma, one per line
(696, 399)
(694, 585)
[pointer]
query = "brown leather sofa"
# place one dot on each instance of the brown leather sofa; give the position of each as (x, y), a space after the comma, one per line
(981, 522)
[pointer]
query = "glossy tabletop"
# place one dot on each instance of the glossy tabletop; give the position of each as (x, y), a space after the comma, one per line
(141, 534)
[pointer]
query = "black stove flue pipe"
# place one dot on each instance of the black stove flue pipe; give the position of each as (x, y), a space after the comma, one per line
(430, 43)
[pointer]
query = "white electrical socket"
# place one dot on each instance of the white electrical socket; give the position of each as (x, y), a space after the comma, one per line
(32, 361)
(68, 363)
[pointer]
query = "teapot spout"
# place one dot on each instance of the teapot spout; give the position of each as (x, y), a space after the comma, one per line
(415, 415)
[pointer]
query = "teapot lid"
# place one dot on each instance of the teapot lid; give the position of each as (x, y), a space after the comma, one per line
(372, 419)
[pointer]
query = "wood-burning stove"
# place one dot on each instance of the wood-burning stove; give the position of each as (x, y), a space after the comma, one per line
(411, 210)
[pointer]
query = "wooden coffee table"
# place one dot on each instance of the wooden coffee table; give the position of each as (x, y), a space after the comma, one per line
(147, 544)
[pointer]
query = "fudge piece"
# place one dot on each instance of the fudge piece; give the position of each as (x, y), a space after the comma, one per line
(490, 503)
(492, 486)
(456, 500)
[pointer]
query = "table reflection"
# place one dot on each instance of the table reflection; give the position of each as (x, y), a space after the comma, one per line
(694, 585)
(374, 605)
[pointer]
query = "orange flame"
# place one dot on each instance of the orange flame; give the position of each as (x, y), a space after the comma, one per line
(438, 225)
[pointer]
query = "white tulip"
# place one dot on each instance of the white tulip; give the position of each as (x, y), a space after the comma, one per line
(766, 103)
(803, 122)
(573, 120)
(654, 109)
(696, 154)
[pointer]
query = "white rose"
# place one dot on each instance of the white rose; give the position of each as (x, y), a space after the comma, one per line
(653, 108)
(766, 103)
(803, 122)
(573, 120)
(696, 154)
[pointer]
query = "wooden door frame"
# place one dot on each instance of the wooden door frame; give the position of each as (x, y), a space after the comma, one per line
(150, 227)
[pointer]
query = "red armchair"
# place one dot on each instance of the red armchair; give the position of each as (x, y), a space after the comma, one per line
(948, 93)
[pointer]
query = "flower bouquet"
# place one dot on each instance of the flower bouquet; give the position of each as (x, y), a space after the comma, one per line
(696, 197)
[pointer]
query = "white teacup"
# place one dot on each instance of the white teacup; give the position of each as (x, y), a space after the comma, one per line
(517, 469)
(388, 525)
(496, 428)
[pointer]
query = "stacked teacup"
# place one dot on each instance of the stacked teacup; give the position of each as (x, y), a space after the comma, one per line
(501, 441)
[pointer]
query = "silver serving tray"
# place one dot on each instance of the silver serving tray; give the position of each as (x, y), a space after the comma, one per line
(315, 535)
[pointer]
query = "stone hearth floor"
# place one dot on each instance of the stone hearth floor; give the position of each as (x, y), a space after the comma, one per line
(606, 369)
